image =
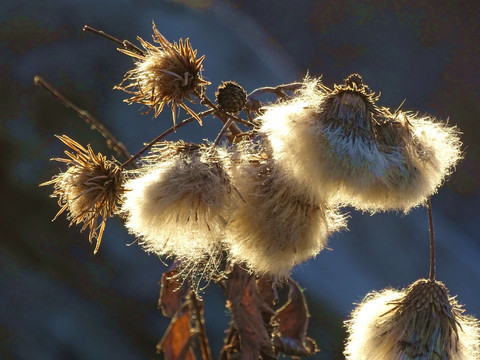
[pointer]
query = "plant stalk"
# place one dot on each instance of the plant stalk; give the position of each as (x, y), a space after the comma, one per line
(198, 310)
(111, 140)
(125, 44)
(432, 240)
(162, 135)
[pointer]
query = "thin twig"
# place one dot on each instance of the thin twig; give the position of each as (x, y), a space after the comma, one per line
(432, 240)
(242, 121)
(112, 142)
(165, 133)
(198, 309)
(253, 105)
(277, 90)
(223, 131)
(234, 129)
(125, 44)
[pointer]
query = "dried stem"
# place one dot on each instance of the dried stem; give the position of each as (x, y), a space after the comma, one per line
(234, 129)
(165, 133)
(432, 240)
(242, 121)
(198, 311)
(125, 44)
(254, 106)
(112, 142)
(277, 90)
(223, 131)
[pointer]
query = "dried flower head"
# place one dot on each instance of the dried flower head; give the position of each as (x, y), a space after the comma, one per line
(176, 203)
(421, 322)
(279, 224)
(358, 153)
(165, 74)
(231, 97)
(91, 187)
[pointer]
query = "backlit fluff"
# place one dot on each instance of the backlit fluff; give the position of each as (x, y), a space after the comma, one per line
(356, 153)
(421, 322)
(175, 204)
(279, 224)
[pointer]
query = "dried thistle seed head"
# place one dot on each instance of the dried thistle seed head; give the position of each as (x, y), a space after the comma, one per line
(334, 128)
(90, 188)
(176, 204)
(279, 224)
(355, 80)
(164, 74)
(420, 322)
(231, 97)
(351, 105)
(359, 154)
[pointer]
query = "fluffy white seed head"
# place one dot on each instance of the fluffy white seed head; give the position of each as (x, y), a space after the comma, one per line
(176, 205)
(433, 149)
(339, 143)
(279, 224)
(421, 322)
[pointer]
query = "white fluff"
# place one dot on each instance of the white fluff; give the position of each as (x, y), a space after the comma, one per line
(364, 341)
(339, 144)
(279, 224)
(377, 331)
(176, 206)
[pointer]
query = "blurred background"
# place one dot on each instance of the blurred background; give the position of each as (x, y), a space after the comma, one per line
(59, 301)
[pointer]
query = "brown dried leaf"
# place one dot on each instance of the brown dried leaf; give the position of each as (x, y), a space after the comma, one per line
(248, 310)
(171, 292)
(291, 338)
(176, 341)
(267, 290)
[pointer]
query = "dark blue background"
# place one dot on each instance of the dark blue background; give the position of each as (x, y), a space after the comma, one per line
(58, 301)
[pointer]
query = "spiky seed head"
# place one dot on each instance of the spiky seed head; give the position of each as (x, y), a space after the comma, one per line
(90, 188)
(354, 79)
(351, 106)
(164, 74)
(231, 97)
(433, 318)
(420, 322)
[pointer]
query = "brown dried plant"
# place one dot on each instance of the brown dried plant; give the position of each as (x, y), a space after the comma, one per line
(165, 74)
(90, 188)
(180, 205)
(420, 322)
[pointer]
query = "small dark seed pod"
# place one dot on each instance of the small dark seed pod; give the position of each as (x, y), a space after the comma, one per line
(231, 97)
(354, 79)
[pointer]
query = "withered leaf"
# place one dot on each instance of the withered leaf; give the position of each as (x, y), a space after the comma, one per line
(291, 338)
(267, 290)
(248, 309)
(176, 341)
(171, 291)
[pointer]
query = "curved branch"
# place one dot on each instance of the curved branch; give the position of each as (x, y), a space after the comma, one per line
(165, 133)
(277, 90)
(111, 140)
